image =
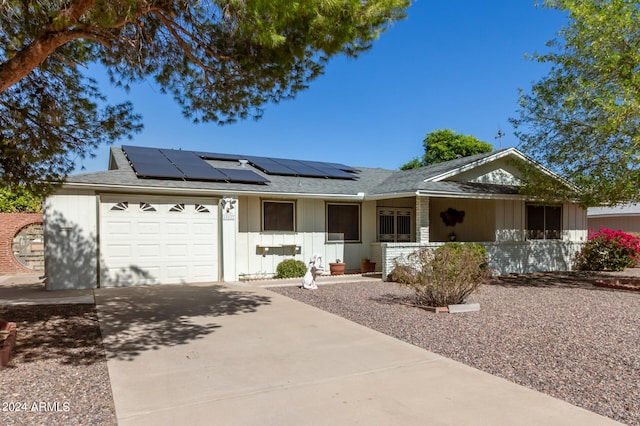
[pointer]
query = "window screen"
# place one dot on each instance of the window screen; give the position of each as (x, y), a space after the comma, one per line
(343, 222)
(278, 216)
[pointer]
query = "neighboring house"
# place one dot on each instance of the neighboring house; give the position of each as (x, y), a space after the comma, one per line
(171, 216)
(624, 217)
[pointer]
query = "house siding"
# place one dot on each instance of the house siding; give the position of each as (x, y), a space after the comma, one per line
(624, 223)
(504, 258)
(70, 233)
(479, 223)
(259, 253)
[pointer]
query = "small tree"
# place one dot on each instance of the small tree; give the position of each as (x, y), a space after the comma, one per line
(445, 145)
(445, 276)
(608, 250)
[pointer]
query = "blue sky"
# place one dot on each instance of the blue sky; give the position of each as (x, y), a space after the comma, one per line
(449, 64)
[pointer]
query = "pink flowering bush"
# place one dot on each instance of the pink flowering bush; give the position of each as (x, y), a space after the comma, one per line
(608, 250)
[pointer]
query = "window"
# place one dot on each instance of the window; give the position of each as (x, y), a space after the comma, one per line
(201, 209)
(278, 216)
(178, 208)
(544, 222)
(146, 207)
(394, 224)
(124, 205)
(343, 222)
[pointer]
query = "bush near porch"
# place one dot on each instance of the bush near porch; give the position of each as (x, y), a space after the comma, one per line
(445, 276)
(608, 250)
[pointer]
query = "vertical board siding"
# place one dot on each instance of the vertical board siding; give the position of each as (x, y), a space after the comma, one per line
(622, 223)
(479, 223)
(70, 226)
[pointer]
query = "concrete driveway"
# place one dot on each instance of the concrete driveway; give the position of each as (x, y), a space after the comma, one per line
(237, 354)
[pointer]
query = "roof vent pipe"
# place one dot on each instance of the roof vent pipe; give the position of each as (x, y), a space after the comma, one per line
(243, 163)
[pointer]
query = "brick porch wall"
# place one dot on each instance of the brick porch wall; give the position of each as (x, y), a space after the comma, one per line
(10, 224)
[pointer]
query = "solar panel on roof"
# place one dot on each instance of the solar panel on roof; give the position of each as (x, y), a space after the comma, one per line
(280, 166)
(151, 163)
(192, 166)
(333, 172)
(338, 166)
(271, 166)
(300, 167)
(247, 176)
(218, 156)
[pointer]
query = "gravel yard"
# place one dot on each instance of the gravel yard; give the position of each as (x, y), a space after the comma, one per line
(58, 374)
(558, 335)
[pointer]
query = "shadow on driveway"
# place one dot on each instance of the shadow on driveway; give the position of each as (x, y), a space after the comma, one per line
(137, 319)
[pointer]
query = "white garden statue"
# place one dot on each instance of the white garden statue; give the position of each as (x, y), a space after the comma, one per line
(314, 268)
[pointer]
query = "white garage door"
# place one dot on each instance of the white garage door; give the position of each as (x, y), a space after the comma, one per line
(158, 240)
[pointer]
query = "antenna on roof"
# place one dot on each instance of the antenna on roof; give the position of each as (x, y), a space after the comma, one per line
(499, 136)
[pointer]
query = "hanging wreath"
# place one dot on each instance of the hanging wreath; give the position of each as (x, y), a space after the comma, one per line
(452, 216)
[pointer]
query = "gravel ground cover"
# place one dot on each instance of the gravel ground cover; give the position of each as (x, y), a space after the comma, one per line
(559, 335)
(58, 374)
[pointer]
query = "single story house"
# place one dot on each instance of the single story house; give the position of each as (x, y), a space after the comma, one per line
(176, 216)
(625, 217)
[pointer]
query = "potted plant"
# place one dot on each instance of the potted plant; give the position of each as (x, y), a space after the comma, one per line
(367, 265)
(337, 267)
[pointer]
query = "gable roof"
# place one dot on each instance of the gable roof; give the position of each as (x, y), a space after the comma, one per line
(371, 183)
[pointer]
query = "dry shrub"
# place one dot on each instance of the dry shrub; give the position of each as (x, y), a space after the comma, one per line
(445, 276)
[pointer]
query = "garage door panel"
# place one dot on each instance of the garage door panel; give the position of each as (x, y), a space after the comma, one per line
(149, 250)
(203, 228)
(202, 272)
(177, 250)
(120, 251)
(144, 246)
(174, 228)
(145, 227)
(177, 272)
(203, 250)
(119, 228)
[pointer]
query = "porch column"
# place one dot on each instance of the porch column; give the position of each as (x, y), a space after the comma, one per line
(422, 220)
(228, 234)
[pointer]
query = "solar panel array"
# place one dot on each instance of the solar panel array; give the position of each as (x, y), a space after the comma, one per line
(153, 163)
(157, 163)
(285, 167)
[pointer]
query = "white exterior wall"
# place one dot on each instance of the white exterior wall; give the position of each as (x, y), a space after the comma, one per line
(479, 223)
(510, 252)
(70, 230)
(504, 258)
(510, 220)
(624, 223)
(259, 253)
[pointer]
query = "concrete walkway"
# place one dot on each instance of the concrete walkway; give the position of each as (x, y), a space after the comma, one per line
(29, 289)
(238, 354)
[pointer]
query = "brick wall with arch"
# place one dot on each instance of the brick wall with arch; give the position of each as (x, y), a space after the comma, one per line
(21, 243)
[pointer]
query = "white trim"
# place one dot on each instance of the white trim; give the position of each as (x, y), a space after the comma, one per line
(618, 211)
(484, 196)
(153, 190)
(498, 155)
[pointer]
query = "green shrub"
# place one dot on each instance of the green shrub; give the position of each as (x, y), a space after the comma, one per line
(608, 250)
(445, 276)
(291, 268)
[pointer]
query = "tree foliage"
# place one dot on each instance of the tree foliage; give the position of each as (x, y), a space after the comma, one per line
(222, 60)
(19, 200)
(582, 120)
(445, 145)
